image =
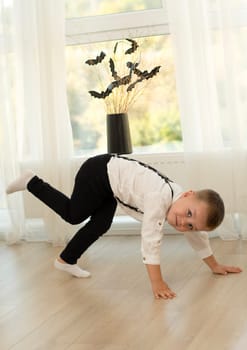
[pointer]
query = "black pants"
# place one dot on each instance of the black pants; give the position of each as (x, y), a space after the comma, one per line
(91, 197)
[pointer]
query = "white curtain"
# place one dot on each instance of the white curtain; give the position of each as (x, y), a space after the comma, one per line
(210, 45)
(35, 126)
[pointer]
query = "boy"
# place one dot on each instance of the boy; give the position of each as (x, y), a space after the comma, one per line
(106, 180)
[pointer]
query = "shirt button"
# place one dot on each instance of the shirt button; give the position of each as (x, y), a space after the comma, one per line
(144, 258)
(159, 223)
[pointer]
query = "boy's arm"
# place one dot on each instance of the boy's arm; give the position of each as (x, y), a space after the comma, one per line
(159, 286)
(200, 242)
(218, 268)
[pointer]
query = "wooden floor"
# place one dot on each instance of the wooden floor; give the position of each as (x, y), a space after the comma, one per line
(42, 308)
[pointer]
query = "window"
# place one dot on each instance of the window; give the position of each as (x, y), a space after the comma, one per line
(81, 8)
(154, 117)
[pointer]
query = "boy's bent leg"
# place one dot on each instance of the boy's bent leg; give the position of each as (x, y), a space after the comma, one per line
(90, 190)
(98, 224)
(53, 198)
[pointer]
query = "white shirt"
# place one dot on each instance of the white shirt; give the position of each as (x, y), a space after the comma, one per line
(146, 196)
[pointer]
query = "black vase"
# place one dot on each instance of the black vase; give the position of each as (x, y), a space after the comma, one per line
(118, 134)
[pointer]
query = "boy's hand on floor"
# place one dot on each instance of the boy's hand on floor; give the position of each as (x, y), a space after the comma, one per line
(159, 286)
(219, 268)
(162, 291)
(224, 270)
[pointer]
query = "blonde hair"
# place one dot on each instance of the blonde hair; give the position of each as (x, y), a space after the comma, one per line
(216, 207)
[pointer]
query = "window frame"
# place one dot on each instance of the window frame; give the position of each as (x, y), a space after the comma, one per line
(92, 29)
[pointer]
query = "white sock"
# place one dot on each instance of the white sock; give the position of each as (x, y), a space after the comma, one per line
(74, 269)
(20, 184)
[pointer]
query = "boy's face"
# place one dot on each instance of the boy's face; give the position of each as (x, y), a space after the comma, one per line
(188, 213)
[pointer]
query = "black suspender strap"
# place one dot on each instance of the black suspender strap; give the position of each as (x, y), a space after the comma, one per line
(129, 206)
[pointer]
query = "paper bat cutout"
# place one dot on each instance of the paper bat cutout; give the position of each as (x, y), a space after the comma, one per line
(98, 59)
(133, 47)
